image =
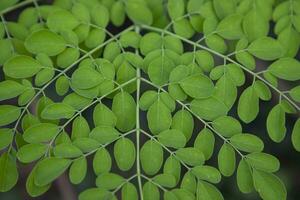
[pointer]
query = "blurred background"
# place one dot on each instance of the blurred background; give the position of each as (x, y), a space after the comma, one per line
(62, 189)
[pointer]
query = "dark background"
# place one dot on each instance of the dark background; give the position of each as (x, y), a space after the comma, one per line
(289, 158)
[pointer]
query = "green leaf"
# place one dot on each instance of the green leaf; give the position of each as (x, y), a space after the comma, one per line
(124, 108)
(175, 9)
(86, 145)
(150, 191)
(139, 12)
(207, 173)
(248, 106)
(55, 23)
(8, 172)
(197, 86)
(6, 137)
(266, 48)
(80, 128)
(21, 66)
(276, 124)
(117, 16)
(227, 126)
(262, 90)
(124, 152)
(10, 89)
(45, 41)
(103, 116)
(41, 132)
(147, 99)
(79, 78)
(102, 161)
(58, 111)
(205, 142)
(100, 15)
(49, 169)
(230, 27)
(269, 186)
(183, 121)
(159, 117)
(78, 170)
(172, 166)
(129, 192)
(183, 28)
(66, 150)
(104, 134)
(247, 142)
(159, 70)
(226, 160)
(263, 161)
(207, 191)
(205, 60)
(95, 194)
(224, 9)
(209, 109)
(9, 114)
(254, 25)
(183, 194)
(172, 138)
(191, 156)
(189, 182)
(165, 180)
(31, 152)
(151, 156)
(109, 181)
(32, 189)
(286, 68)
(296, 135)
(244, 177)
(295, 93)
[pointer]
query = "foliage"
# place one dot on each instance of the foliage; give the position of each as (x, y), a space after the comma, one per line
(182, 62)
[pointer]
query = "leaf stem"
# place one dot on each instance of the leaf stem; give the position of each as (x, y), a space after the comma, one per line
(16, 6)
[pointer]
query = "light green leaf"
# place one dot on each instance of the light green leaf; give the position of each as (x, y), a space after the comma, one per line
(209, 109)
(224, 9)
(263, 161)
(117, 13)
(165, 180)
(230, 27)
(207, 191)
(262, 90)
(276, 124)
(269, 186)
(150, 191)
(172, 138)
(86, 145)
(286, 68)
(8, 172)
(102, 161)
(49, 169)
(45, 41)
(172, 166)
(32, 189)
(6, 137)
(197, 86)
(109, 181)
(10, 89)
(159, 117)
(248, 106)
(139, 12)
(207, 173)
(55, 23)
(85, 78)
(175, 8)
(266, 48)
(104, 134)
(226, 160)
(124, 152)
(95, 194)
(41, 132)
(21, 66)
(227, 126)
(183, 194)
(159, 70)
(80, 128)
(191, 156)
(124, 108)
(183, 28)
(295, 93)
(78, 170)
(296, 135)
(183, 121)
(66, 150)
(129, 192)
(247, 142)
(151, 156)
(189, 182)
(9, 114)
(147, 99)
(205, 142)
(244, 177)
(58, 111)
(103, 116)
(31, 152)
